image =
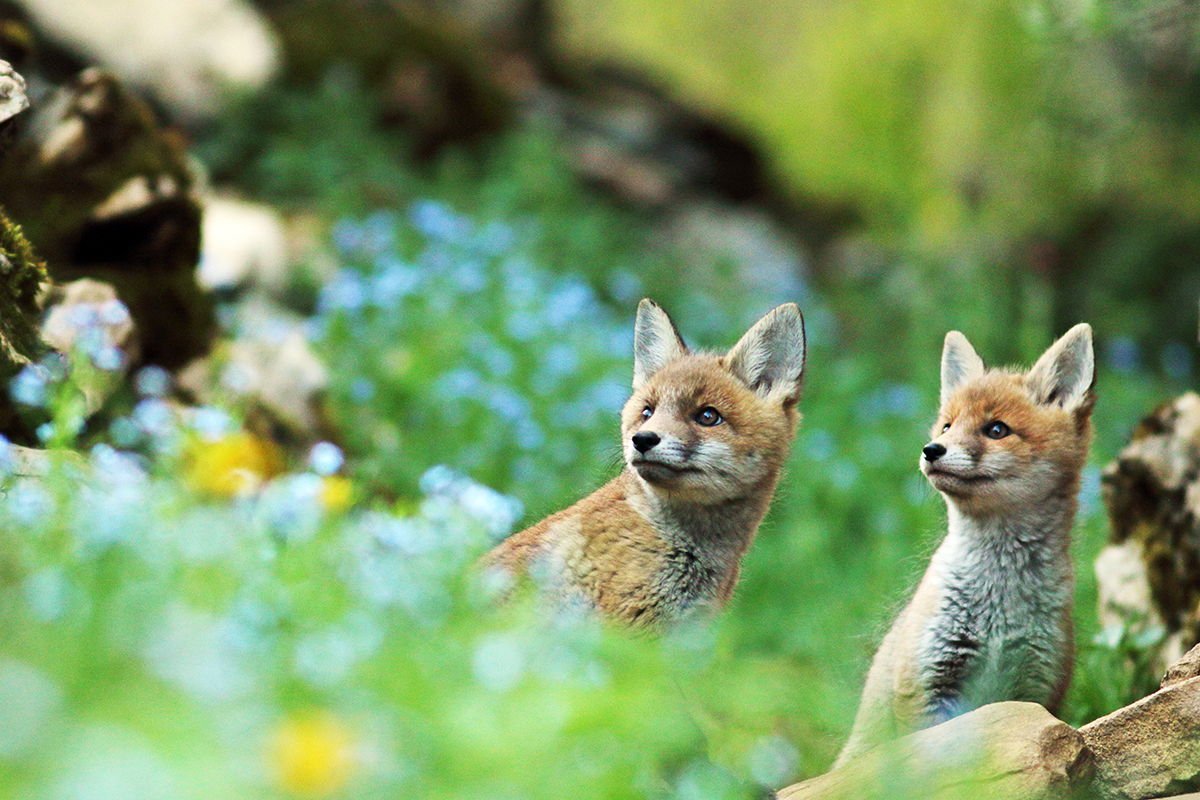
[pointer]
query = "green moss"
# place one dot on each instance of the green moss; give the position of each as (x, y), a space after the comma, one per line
(21, 274)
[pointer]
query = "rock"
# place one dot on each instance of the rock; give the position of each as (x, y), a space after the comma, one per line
(1124, 601)
(103, 192)
(22, 276)
(1150, 748)
(1185, 668)
(12, 92)
(29, 462)
(1152, 493)
(88, 322)
(1002, 750)
(190, 53)
(12, 102)
(242, 244)
(629, 136)
(270, 369)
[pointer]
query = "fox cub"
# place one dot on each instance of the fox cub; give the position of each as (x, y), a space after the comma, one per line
(704, 436)
(991, 619)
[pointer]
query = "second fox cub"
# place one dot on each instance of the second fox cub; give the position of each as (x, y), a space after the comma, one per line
(704, 438)
(991, 619)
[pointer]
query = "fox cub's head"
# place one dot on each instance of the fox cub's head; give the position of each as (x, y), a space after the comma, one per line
(1004, 438)
(707, 427)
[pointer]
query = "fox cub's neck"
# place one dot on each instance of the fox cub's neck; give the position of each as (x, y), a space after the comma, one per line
(704, 437)
(991, 619)
(1010, 539)
(716, 536)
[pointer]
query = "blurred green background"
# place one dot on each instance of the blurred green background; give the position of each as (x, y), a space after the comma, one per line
(899, 169)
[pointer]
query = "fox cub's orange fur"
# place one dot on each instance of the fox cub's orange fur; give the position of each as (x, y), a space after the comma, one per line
(991, 619)
(704, 438)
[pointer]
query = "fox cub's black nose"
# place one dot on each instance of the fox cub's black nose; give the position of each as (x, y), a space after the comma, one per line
(933, 451)
(644, 440)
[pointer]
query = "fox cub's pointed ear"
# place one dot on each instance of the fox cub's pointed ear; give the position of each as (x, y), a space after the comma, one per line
(656, 342)
(770, 357)
(1065, 373)
(960, 363)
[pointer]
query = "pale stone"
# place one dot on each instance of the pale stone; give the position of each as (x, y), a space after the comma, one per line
(188, 52)
(1184, 669)
(1124, 589)
(242, 243)
(12, 92)
(90, 322)
(1002, 751)
(1150, 748)
(269, 365)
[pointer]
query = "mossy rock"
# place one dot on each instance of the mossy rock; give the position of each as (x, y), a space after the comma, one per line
(1152, 492)
(21, 277)
(104, 192)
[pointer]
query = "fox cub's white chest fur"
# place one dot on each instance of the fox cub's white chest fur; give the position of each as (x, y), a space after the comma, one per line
(991, 619)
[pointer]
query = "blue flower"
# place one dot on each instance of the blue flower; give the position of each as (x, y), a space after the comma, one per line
(153, 416)
(379, 232)
(347, 236)
(8, 457)
(152, 381)
(394, 282)
(325, 458)
(561, 360)
(344, 293)
(437, 221)
(211, 423)
(362, 389)
(1177, 360)
(109, 358)
(1123, 353)
(30, 386)
(460, 383)
(495, 237)
(113, 312)
(570, 302)
(507, 404)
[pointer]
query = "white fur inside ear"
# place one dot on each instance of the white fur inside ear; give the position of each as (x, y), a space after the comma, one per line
(960, 363)
(770, 357)
(656, 342)
(1064, 374)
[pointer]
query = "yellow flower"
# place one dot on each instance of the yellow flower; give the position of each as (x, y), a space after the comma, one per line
(337, 493)
(236, 464)
(312, 754)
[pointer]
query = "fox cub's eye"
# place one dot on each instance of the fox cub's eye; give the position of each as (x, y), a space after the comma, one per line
(946, 427)
(708, 416)
(997, 430)
(647, 412)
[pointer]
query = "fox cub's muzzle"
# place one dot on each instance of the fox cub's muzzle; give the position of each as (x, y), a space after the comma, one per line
(933, 451)
(645, 440)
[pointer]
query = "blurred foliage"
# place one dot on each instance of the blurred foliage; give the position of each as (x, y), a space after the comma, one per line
(931, 115)
(1051, 138)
